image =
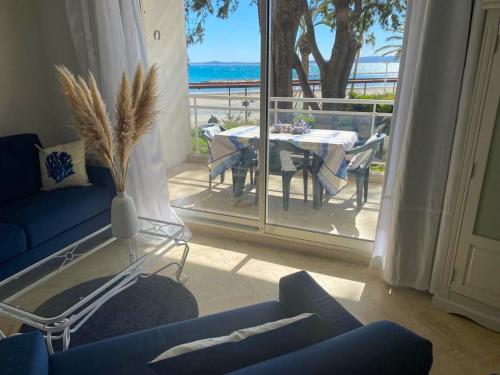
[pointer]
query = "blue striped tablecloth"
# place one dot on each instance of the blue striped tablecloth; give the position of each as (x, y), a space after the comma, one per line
(329, 145)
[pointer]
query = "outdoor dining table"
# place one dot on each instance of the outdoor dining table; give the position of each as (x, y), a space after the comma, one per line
(328, 147)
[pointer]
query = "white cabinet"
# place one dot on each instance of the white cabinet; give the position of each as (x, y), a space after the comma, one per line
(473, 286)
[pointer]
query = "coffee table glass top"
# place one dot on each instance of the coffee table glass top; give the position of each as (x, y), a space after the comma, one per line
(98, 257)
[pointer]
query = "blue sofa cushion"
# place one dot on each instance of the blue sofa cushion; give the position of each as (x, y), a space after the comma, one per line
(12, 241)
(240, 349)
(56, 243)
(46, 214)
(377, 348)
(130, 354)
(101, 176)
(19, 166)
(24, 354)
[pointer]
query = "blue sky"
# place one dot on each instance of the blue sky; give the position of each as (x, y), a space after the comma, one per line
(238, 38)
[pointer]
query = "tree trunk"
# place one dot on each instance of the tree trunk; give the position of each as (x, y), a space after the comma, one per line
(304, 83)
(304, 57)
(305, 51)
(335, 72)
(285, 22)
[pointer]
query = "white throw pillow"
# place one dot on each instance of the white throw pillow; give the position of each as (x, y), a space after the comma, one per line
(63, 166)
(236, 336)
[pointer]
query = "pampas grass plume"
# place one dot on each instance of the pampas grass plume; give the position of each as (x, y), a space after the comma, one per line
(136, 110)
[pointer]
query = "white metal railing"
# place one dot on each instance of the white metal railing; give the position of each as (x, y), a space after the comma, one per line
(298, 100)
(297, 108)
(195, 106)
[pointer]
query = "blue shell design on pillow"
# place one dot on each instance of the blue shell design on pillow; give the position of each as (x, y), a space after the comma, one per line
(59, 166)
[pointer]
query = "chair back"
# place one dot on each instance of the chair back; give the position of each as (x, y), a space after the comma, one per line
(381, 126)
(363, 155)
(207, 133)
(277, 161)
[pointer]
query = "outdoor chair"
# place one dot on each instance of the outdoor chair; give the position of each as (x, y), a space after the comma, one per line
(283, 162)
(207, 133)
(359, 165)
(381, 127)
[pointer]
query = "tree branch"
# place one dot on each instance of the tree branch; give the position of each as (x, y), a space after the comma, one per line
(306, 89)
(343, 23)
(311, 35)
(358, 9)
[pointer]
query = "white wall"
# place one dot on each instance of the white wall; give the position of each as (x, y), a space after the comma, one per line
(170, 54)
(58, 49)
(24, 105)
(34, 35)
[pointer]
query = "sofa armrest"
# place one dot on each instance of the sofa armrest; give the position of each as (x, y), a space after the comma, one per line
(299, 293)
(24, 354)
(101, 176)
(378, 348)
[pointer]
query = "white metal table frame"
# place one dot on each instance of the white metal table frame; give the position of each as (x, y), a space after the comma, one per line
(61, 327)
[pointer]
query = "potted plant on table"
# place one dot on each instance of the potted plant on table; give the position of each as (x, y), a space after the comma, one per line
(136, 110)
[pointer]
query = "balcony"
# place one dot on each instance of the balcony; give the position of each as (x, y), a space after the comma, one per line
(338, 214)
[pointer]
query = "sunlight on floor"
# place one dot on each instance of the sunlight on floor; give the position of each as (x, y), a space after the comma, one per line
(268, 271)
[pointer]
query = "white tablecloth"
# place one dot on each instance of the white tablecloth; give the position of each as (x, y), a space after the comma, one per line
(329, 145)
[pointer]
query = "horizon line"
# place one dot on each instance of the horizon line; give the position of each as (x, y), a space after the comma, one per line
(257, 62)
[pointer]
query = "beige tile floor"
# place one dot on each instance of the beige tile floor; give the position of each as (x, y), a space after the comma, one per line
(188, 184)
(224, 274)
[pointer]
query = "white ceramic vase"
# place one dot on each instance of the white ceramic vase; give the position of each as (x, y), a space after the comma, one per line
(124, 222)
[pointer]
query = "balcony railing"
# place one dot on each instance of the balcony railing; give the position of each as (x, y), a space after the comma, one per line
(360, 115)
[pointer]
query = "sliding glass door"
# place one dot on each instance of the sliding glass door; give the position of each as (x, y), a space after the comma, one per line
(217, 177)
(329, 113)
(295, 144)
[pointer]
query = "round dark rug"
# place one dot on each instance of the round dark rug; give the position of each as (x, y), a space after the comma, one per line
(151, 302)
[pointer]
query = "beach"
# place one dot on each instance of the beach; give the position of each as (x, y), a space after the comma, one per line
(227, 106)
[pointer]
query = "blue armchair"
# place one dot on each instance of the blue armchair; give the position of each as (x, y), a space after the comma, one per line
(344, 346)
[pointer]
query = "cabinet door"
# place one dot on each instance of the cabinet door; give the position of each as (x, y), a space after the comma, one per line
(477, 267)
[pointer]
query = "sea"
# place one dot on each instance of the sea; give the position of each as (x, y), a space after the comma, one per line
(222, 71)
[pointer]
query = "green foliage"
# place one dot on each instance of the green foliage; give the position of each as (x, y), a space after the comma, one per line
(229, 122)
(365, 13)
(377, 168)
(393, 49)
(389, 14)
(305, 118)
(382, 108)
(234, 120)
(202, 144)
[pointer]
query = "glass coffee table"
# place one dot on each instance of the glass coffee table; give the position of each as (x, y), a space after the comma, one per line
(118, 263)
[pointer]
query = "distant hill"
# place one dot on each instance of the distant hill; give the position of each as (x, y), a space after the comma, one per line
(377, 59)
(362, 59)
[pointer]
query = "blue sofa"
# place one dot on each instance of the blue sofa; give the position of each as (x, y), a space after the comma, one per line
(35, 224)
(344, 346)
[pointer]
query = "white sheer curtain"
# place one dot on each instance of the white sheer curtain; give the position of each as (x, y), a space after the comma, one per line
(435, 47)
(108, 39)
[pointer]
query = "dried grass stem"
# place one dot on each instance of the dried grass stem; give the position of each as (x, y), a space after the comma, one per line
(136, 110)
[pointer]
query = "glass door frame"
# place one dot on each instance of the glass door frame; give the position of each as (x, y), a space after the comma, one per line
(260, 226)
(342, 242)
